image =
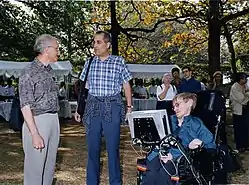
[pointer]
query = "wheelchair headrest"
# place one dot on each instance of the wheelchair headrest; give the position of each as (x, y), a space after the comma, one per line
(212, 101)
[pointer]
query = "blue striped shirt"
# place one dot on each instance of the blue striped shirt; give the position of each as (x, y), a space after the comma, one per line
(106, 77)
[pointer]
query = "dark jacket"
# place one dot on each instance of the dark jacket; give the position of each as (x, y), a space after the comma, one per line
(192, 85)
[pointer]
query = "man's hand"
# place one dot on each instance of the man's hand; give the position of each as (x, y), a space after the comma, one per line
(77, 117)
(37, 141)
(195, 143)
(129, 110)
(167, 158)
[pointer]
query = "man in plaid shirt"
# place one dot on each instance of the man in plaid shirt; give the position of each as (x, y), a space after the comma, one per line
(104, 107)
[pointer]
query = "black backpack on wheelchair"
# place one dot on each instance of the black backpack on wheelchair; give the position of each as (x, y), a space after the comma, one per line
(211, 109)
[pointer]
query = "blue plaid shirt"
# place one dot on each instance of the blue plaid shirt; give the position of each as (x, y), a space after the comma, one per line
(105, 78)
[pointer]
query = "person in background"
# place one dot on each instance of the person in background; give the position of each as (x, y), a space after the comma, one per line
(39, 104)
(217, 83)
(153, 88)
(139, 91)
(204, 84)
(2, 88)
(135, 88)
(10, 89)
(176, 77)
(239, 104)
(189, 83)
(77, 87)
(142, 90)
(62, 91)
(165, 94)
(158, 81)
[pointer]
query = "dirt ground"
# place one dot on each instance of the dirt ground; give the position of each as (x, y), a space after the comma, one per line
(72, 155)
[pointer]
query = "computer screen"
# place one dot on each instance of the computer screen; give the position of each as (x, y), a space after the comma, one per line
(149, 125)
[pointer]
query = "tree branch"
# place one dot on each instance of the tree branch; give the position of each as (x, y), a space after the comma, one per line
(152, 29)
(134, 7)
(133, 47)
(230, 17)
(200, 42)
(126, 15)
(97, 24)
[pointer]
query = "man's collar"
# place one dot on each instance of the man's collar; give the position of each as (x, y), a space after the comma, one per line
(185, 119)
(40, 64)
(188, 78)
(106, 59)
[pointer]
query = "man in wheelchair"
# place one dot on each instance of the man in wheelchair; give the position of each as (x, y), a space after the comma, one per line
(189, 131)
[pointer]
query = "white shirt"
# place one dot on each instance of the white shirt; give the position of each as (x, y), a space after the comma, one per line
(238, 98)
(169, 95)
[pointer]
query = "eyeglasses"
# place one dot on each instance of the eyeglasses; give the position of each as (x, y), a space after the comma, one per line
(177, 104)
(56, 48)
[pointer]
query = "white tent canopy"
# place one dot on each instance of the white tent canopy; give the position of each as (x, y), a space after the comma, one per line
(150, 70)
(11, 68)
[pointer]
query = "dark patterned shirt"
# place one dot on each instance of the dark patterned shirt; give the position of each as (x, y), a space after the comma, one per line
(38, 89)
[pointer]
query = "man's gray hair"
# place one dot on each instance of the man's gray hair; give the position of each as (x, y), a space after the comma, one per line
(42, 42)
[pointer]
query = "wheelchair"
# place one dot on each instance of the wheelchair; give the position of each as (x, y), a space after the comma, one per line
(194, 167)
(151, 131)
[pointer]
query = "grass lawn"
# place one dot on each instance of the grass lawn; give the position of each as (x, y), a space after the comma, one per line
(72, 155)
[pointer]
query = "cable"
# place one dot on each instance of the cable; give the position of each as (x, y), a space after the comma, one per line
(137, 151)
(187, 159)
(176, 170)
(197, 178)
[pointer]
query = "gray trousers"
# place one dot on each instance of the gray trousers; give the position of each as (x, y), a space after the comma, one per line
(39, 166)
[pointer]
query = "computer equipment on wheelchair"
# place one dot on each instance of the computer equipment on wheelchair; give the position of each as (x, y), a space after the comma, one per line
(148, 127)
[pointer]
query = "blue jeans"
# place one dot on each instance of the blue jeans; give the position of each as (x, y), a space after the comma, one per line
(111, 131)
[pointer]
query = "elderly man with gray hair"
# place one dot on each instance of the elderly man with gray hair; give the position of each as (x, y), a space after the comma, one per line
(39, 104)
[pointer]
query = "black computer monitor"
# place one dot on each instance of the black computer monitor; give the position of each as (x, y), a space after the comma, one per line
(149, 126)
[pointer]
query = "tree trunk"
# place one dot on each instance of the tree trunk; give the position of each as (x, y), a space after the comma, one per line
(69, 43)
(231, 49)
(114, 28)
(214, 28)
(69, 34)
